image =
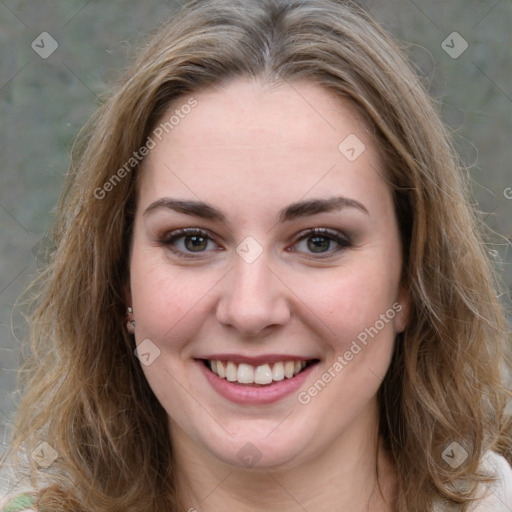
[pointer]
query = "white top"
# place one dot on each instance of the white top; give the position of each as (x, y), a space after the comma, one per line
(495, 497)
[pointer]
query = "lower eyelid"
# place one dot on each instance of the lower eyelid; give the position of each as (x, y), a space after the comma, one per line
(188, 255)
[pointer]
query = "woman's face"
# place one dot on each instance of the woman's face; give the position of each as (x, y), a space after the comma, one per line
(265, 238)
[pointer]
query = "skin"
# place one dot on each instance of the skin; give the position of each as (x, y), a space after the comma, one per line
(249, 150)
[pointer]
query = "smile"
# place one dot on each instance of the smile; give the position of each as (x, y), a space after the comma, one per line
(268, 380)
(263, 374)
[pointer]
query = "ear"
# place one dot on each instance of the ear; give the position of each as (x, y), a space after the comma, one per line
(130, 327)
(402, 306)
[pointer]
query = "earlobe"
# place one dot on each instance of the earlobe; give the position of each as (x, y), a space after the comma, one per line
(130, 323)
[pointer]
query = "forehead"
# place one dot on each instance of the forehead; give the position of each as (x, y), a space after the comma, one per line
(274, 114)
(252, 140)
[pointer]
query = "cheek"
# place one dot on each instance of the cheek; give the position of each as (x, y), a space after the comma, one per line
(170, 307)
(167, 301)
(348, 302)
(360, 311)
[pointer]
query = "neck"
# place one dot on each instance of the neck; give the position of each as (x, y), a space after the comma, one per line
(352, 474)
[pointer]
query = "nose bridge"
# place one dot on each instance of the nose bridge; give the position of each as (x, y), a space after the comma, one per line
(253, 298)
(252, 279)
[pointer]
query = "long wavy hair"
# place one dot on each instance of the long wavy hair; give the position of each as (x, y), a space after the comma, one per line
(84, 391)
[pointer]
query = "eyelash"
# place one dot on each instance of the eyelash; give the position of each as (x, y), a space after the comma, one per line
(341, 239)
(170, 239)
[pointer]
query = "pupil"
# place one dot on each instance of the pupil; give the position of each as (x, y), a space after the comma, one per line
(318, 244)
(196, 243)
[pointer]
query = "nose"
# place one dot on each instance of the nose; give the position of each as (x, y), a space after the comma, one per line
(254, 300)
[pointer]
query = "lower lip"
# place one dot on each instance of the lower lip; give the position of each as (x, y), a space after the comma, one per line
(250, 395)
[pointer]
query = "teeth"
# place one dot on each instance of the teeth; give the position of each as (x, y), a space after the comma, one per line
(278, 371)
(248, 374)
(263, 374)
(289, 369)
(245, 374)
(231, 371)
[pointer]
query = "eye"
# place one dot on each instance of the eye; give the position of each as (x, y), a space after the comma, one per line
(189, 241)
(321, 241)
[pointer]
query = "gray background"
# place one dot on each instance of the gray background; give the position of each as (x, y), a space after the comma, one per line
(44, 102)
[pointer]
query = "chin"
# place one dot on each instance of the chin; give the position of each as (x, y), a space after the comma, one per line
(260, 445)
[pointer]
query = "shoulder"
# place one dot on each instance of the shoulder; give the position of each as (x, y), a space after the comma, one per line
(21, 503)
(496, 496)
(16, 494)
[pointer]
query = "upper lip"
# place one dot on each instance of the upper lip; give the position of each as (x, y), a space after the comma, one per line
(256, 360)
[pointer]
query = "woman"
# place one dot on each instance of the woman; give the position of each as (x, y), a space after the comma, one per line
(269, 290)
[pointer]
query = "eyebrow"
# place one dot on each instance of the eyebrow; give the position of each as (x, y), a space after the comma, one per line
(195, 208)
(293, 211)
(321, 205)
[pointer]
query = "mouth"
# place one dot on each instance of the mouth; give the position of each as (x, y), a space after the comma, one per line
(261, 375)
